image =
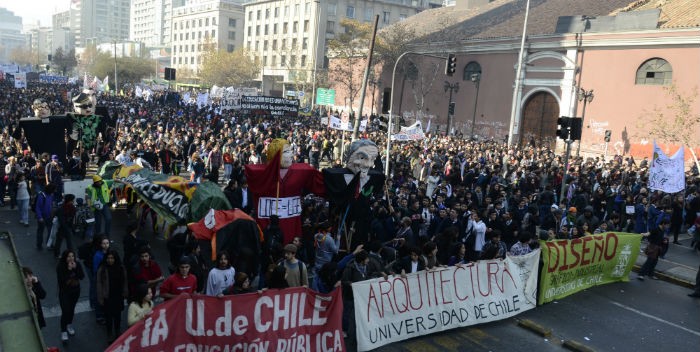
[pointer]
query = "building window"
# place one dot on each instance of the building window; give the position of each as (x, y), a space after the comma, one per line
(330, 27)
(305, 43)
(257, 30)
(303, 61)
(258, 15)
(284, 27)
(250, 31)
(350, 12)
(213, 33)
(230, 48)
(267, 13)
(472, 68)
(402, 17)
(306, 26)
(250, 15)
(296, 10)
(274, 28)
(257, 45)
(249, 45)
(387, 17)
(265, 45)
(213, 21)
(283, 60)
(264, 60)
(231, 35)
(206, 22)
(231, 22)
(295, 27)
(274, 61)
(284, 44)
(368, 14)
(656, 71)
(274, 44)
(286, 11)
(294, 43)
(292, 61)
(277, 12)
(199, 23)
(266, 29)
(331, 9)
(307, 8)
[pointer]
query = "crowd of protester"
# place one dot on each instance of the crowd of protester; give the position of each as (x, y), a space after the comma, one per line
(447, 201)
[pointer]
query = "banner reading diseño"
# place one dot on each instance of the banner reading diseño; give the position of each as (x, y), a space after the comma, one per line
(427, 302)
(574, 265)
(295, 319)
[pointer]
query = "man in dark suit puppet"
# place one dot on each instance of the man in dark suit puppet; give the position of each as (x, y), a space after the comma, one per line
(351, 190)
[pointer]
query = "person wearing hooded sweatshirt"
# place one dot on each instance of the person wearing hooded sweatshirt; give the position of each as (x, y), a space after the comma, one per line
(588, 217)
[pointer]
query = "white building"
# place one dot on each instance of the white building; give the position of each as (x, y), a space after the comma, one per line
(204, 22)
(11, 35)
(98, 21)
(290, 36)
(45, 40)
(151, 21)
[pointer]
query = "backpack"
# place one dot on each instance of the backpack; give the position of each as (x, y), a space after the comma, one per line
(33, 203)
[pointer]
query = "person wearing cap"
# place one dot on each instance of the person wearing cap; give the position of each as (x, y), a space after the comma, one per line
(98, 198)
(179, 282)
(296, 269)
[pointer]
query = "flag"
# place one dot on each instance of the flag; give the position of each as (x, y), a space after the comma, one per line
(106, 84)
(667, 174)
(85, 81)
(427, 128)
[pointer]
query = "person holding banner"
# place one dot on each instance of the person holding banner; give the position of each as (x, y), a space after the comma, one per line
(653, 249)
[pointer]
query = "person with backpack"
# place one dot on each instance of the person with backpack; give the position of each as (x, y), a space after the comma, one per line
(98, 198)
(66, 217)
(43, 208)
(296, 269)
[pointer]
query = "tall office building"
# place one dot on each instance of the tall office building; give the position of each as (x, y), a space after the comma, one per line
(10, 33)
(204, 22)
(151, 21)
(98, 21)
(290, 36)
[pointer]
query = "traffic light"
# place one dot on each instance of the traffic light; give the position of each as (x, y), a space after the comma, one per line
(383, 123)
(575, 125)
(563, 124)
(451, 64)
(451, 109)
(169, 74)
(608, 133)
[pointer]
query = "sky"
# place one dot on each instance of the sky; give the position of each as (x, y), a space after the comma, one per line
(35, 10)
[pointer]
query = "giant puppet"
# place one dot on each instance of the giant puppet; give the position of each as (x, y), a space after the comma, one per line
(278, 187)
(351, 190)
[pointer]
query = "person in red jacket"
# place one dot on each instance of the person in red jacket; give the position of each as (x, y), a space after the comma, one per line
(145, 271)
(179, 282)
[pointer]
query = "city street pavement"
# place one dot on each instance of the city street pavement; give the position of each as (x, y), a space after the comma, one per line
(636, 316)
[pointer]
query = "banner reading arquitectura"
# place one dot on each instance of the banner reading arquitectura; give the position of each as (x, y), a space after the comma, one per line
(427, 302)
(295, 319)
(574, 265)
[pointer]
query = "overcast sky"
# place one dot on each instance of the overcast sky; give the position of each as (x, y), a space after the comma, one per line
(35, 10)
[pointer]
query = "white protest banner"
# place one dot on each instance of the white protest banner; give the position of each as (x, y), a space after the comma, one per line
(231, 97)
(413, 132)
(427, 302)
(202, 99)
(338, 124)
(20, 80)
(666, 174)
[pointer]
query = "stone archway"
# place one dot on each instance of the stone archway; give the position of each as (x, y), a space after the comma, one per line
(539, 122)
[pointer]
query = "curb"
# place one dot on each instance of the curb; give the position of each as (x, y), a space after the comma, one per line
(536, 328)
(573, 345)
(668, 278)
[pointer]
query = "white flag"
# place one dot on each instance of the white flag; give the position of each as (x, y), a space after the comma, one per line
(667, 174)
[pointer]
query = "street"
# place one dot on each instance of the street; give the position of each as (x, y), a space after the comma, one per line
(636, 316)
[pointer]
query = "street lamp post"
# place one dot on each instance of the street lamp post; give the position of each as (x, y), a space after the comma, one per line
(586, 97)
(452, 87)
(476, 78)
(318, 34)
(116, 79)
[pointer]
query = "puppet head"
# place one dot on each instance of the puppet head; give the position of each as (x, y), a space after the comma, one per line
(280, 145)
(360, 156)
(41, 108)
(85, 102)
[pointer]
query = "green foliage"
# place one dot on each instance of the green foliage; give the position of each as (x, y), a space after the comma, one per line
(129, 69)
(64, 62)
(222, 68)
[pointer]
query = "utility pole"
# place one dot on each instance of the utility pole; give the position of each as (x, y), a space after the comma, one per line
(318, 35)
(452, 87)
(116, 79)
(356, 127)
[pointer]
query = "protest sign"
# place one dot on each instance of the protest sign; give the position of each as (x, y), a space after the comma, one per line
(409, 133)
(264, 105)
(295, 319)
(574, 265)
(666, 173)
(427, 302)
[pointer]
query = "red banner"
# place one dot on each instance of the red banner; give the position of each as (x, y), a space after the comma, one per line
(295, 319)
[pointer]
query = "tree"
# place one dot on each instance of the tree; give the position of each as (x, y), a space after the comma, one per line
(64, 62)
(22, 56)
(222, 68)
(349, 48)
(129, 69)
(422, 83)
(677, 123)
